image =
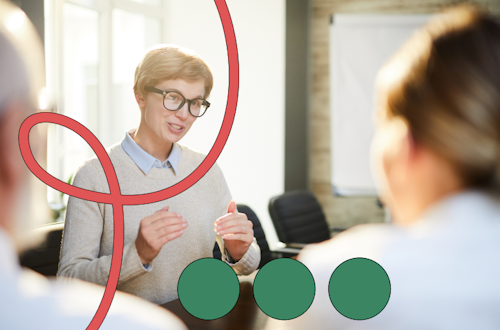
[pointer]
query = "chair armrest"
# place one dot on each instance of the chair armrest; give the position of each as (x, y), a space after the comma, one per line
(338, 229)
(284, 253)
(288, 248)
(295, 245)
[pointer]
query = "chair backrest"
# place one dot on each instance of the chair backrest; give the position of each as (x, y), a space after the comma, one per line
(44, 258)
(259, 235)
(298, 218)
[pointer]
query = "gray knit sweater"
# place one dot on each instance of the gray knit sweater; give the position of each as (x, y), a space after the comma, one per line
(88, 234)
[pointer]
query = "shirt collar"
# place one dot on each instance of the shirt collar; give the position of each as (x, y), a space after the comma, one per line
(144, 160)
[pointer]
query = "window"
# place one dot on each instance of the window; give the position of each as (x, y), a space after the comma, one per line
(92, 49)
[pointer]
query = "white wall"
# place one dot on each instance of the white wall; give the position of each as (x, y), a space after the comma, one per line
(253, 158)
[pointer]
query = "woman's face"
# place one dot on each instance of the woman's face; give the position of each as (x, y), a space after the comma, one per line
(170, 126)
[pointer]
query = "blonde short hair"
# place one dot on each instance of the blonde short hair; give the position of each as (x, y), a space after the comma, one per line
(445, 84)
(170, 62)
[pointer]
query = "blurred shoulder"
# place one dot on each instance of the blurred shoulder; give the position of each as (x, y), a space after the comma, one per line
(362, 241)
(73, 303)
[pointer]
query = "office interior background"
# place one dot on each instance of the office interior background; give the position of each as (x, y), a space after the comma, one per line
(280, 140)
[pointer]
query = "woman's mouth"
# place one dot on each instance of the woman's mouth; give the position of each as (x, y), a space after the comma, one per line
(176, 128)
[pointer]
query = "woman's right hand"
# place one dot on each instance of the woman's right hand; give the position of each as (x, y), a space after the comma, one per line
(157, 230)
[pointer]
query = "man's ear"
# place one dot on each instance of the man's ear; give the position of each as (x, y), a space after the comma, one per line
(399, 151)
(141, 100)
(412, 149)
(411, 156)
(12, 166)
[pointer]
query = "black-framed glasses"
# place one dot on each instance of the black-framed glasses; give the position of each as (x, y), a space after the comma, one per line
(173, 101)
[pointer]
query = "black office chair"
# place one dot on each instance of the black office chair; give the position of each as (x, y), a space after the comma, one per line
(44, 258)
(260, 236)
(298, 218)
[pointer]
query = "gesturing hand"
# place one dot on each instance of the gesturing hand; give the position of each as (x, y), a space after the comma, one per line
(156, 230)
(236, 230)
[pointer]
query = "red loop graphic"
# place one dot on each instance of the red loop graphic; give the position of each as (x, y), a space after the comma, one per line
(115, 197)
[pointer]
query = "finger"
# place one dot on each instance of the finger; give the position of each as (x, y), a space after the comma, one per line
(238, 237)
(236, 230)
(159, 215)
(156, 237)
(236, 218)
(232, 207)
(224, 218)
(164, 209)
(171, 229)
(167, 222)
(239, 221)
(167, 238)
(159, 243)
(230, 216)
(235, 227)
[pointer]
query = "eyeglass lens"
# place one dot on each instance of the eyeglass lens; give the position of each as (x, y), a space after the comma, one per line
(173, 101)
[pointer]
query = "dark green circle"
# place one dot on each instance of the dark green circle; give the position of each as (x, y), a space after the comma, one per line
(208, 288)
(359, 288)
(284, 289)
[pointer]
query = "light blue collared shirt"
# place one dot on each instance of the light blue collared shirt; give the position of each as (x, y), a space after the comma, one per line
(145, 161)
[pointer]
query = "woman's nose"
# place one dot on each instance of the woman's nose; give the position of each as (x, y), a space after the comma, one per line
(183, 112)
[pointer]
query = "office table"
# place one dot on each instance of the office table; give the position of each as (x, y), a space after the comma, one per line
(245, 315)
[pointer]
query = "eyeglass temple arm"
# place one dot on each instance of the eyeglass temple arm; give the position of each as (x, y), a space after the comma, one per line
(154, 90)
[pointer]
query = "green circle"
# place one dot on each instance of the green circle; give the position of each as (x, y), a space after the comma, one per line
(359, 288)
(284, 289)
(208, 288)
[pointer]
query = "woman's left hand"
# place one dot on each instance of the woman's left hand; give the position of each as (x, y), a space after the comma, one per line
(236, 230)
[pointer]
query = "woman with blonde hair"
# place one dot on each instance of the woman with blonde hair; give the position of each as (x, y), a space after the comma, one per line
(436, 152)
(171, 86)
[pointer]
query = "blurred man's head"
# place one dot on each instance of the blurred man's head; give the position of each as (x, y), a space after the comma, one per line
(21, 82)
(439, 110)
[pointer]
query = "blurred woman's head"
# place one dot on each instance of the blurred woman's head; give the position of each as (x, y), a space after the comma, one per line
(439, 111)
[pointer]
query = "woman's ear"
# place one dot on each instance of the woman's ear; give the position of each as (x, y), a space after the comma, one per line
(141, 101)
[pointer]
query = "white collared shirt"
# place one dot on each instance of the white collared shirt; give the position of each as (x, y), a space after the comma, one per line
(444, 270)
(28, 300)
